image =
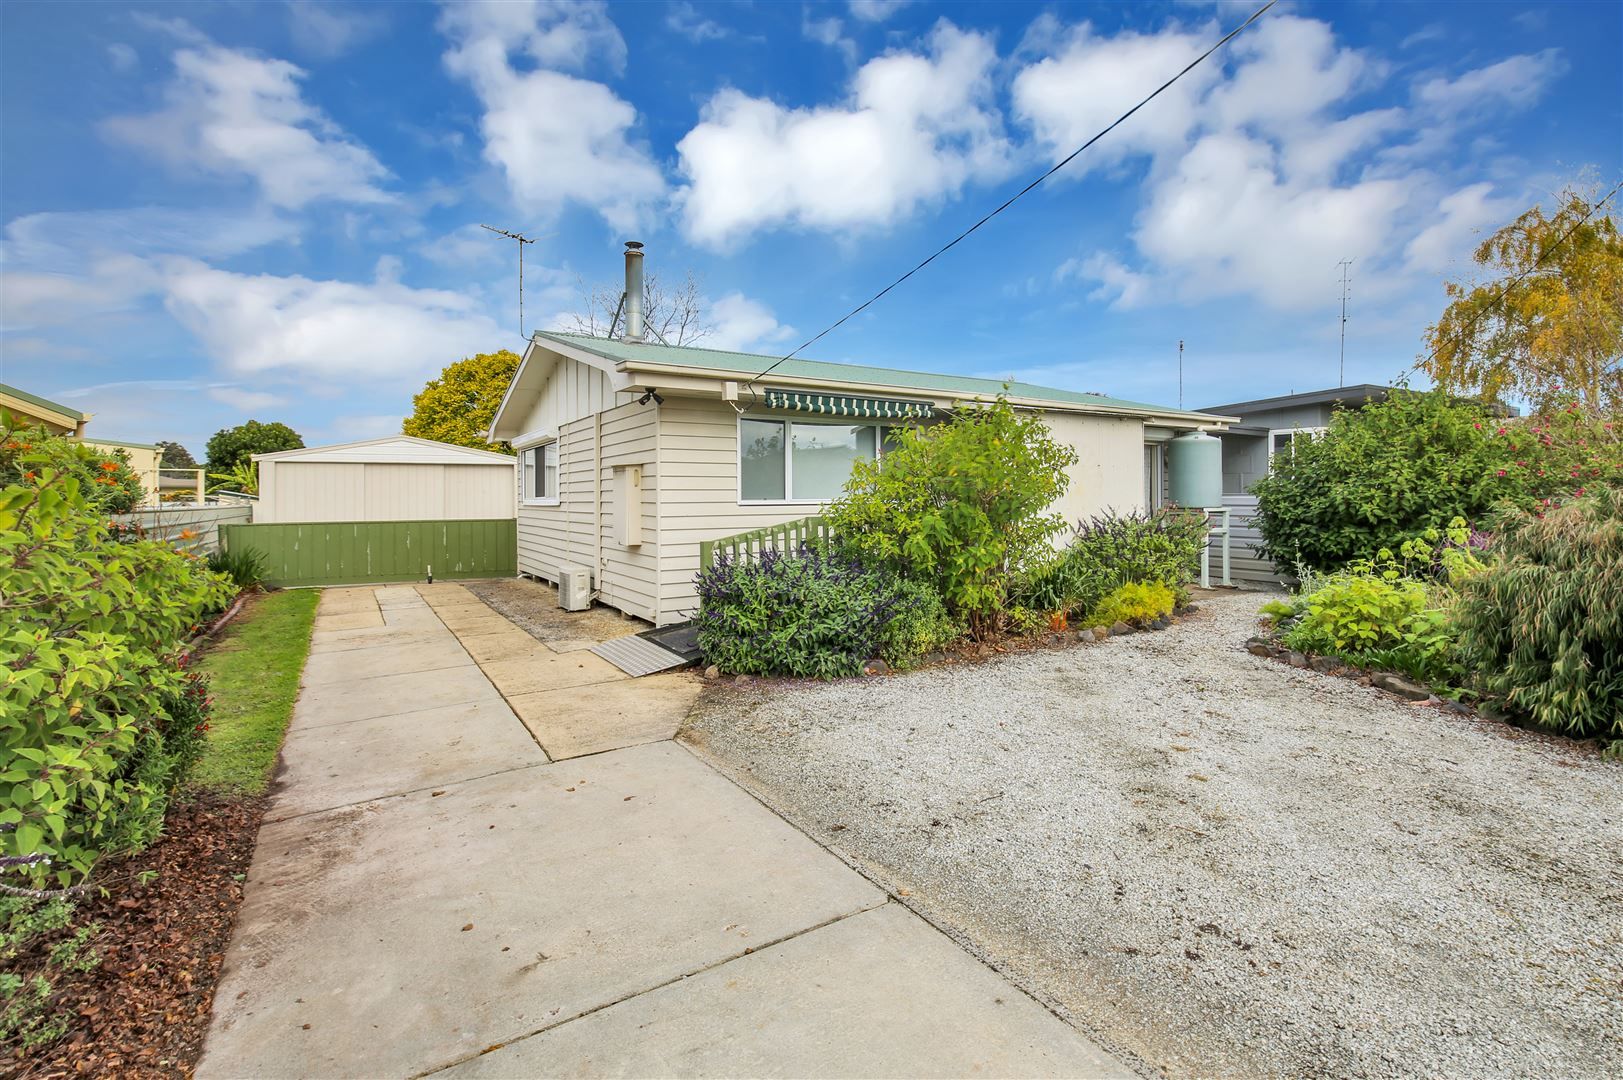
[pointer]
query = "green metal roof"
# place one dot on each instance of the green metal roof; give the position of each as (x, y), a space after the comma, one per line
(748, 364)
(44, 403)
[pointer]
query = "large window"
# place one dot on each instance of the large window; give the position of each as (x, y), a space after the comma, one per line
(800, 460)
(539, 468)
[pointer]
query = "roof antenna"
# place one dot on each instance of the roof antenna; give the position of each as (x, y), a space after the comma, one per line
(1180, 373)
(1346, 265)
(522, 240)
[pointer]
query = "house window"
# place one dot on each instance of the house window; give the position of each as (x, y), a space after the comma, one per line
(539, 468)
(800, 460)
(1283, 440)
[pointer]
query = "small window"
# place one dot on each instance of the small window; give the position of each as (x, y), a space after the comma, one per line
(540, 467)
(761, 460)
(1283, 441)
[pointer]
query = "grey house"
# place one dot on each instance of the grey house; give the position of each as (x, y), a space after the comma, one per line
(1269, 426)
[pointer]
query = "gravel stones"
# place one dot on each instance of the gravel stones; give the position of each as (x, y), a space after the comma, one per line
(1368, 888)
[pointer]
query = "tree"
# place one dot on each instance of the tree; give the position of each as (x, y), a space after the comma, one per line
(176, 456)
(235, 446)
(673, 316)
(1548, 323)
(459, 405)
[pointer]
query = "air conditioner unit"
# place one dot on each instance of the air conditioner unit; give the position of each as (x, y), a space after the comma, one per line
(574, 588)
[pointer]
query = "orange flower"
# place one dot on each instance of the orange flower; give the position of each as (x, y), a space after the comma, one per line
(110, 466)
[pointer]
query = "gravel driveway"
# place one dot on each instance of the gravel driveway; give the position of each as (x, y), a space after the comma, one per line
(1218, 864)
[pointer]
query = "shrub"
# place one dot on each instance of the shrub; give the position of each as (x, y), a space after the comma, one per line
(1109, 549)
(1135, 602)
(1542, 626)
(1066, 584)
(88, 634)
(27, 927)
(961, 505)
(813, 614)
(245, 566)
(106, 480)
(1381, 475)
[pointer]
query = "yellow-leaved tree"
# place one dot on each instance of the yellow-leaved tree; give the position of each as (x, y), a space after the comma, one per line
(458, 406)
(1547, 322)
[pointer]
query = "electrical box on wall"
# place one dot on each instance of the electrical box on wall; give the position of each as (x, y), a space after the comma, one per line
(628, 505)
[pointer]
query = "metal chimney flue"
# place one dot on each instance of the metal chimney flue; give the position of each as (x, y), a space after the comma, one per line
(635, 330)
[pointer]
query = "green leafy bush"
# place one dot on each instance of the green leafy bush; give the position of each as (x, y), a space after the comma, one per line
(813, 614)
(88, 636)
(245, 566)
(1542, 626)
(1381, 475)
(1135, 602)
(106, 480)
(1109, 549)
(961, 505)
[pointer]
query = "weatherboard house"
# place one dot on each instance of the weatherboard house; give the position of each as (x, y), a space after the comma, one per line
(633, 453)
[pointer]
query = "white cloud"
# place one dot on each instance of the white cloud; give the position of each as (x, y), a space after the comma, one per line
(61, 239)
(1088, 80)
(558, 138)
(745, 325)
(326, 31)
(1460, 219)
(246, 401)
(828, 31)
(1117, 284)
(684, 19)
(1514, 83)
(1289, 70)
(875, 10)
(236, 114)
(109, 283)
(914, 129)
(122, 57)
(324, 331)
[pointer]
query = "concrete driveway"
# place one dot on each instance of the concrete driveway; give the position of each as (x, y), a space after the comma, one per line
(485, 856)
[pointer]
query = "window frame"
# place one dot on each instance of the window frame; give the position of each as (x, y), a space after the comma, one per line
(526, 468)
(788, 423)
(1293, 432)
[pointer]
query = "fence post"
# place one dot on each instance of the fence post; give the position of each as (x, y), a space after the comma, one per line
(707, 553)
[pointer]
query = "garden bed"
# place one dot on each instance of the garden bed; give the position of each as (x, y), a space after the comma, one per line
(1217, 864)
(163, 916)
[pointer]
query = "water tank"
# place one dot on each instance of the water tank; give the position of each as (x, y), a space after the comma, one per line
(1195, 469)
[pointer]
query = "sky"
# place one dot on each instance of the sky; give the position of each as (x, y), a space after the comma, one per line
(216, 212)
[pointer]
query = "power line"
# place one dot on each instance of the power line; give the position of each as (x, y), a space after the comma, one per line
(1537, 263)
(1226, 38)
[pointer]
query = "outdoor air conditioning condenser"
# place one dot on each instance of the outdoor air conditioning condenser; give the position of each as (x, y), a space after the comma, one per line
(574, 588)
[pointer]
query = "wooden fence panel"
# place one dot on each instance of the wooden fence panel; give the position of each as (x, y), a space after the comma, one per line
(787, 536)
(364, 552)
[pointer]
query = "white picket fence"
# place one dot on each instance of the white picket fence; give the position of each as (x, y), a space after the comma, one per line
(188, 527)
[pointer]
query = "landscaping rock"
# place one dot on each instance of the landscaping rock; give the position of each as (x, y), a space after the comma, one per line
(1258, 647)
(1325, 664)
(875, 667)
(1120, 628)
(1296, 659)
(743, 680)
(1397, 684)
(1086, 637)
(1161, 623)
(935, 656)
(712, 672)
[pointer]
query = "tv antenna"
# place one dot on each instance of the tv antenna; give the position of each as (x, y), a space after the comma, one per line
(522, 240)
(1180, 373)
(1346, 265)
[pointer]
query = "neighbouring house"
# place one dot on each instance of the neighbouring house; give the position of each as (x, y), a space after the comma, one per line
(144, 458)
(633, 453)
(395, 478)
(1269, 426)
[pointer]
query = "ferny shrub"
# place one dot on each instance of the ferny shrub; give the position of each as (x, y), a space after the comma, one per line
(1135, 602)
(1542, 626)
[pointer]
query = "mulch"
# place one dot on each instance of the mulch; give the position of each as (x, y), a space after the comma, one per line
(145, 1010)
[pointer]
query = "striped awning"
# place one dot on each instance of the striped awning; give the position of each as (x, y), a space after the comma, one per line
(842, 405)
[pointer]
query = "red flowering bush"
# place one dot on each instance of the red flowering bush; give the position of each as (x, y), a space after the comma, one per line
(105, 476)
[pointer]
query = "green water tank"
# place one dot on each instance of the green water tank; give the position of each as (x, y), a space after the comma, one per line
(1195, 469)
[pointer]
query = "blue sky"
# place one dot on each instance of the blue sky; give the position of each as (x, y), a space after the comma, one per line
(216, 212)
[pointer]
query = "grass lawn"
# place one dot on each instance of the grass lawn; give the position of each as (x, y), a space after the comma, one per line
(253, 672)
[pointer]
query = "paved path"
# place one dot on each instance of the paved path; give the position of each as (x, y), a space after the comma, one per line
(485, 857)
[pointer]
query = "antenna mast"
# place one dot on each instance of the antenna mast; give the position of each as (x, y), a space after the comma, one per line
(1346, 265)
(1180, 373)
(522, 240)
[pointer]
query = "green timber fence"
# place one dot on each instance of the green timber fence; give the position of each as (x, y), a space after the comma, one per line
(748, 545)
(362, 552)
